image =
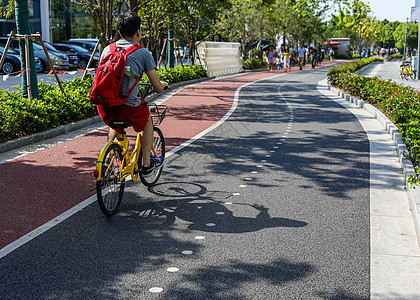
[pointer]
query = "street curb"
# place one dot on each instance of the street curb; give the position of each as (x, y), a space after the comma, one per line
(406, 165)
(369, 66)
(50, 133)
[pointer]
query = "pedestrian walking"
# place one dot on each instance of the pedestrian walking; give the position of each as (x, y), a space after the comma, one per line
(318, 56)
(287, 55)
(301, 56)
(271, 57)
(280, 52)
(314, 57)
(331, 53)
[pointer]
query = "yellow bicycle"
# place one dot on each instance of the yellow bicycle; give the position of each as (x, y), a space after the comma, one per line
(406, 70)
(115, 164)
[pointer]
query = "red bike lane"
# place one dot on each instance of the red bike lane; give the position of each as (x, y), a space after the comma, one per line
(40, 186)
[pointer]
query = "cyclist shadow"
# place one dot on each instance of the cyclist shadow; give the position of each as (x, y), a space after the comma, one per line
(210, 210)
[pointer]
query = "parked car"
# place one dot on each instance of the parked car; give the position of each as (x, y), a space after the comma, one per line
(73, 59)
(59, 60)
(88, 44)
(12, 62)
(82, 54)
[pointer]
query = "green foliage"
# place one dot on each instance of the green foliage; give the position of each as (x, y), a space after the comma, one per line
(254, 64)
(256, 53)
(21, 116)
(396, 56)
(244, 22)
(178, 74)
(400, 103)
(412, 35)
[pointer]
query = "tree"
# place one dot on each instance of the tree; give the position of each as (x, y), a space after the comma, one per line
(352, 14)
(412, 35)
(242, 23)
(303, 19)
(155, 22)
(195, 18)
(22, 24)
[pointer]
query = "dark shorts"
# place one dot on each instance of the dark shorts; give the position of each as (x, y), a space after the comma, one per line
(138, 115)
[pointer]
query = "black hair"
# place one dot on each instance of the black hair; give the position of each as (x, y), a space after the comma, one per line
(128, 23)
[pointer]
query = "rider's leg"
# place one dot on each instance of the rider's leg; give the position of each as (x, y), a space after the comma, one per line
(146, 142)
(112, 134)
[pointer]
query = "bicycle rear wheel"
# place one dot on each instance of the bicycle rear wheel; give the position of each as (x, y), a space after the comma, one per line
(413, 74)
(402, 72)
(110, 188)
(159, 146)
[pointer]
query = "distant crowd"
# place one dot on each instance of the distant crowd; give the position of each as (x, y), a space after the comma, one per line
(285, 54)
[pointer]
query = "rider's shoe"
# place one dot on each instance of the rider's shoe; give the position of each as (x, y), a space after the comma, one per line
(155, 163)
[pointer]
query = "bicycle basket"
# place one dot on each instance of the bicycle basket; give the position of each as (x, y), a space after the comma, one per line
(158, 113)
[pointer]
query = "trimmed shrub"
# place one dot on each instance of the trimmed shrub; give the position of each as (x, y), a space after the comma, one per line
(254, 64)
(395, 56)
(400, 103)
(21, 116)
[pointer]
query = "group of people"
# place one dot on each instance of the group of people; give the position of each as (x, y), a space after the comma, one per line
(383, 52)
(283, 56)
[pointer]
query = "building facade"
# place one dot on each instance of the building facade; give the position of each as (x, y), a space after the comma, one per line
(56, 20)
(415, 11)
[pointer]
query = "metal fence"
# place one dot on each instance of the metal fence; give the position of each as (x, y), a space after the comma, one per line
(219, 58)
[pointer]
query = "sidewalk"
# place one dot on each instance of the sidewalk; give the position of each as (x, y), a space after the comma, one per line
(389, 70)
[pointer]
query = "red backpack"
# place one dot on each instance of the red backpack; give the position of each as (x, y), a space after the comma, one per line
(109, 77)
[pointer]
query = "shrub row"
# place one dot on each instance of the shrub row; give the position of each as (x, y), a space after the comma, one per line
(395, 56)
(400, 103)
(21, 116)
(254, 64)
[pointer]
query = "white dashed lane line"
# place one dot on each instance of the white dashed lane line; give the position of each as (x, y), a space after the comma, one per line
(221, 213)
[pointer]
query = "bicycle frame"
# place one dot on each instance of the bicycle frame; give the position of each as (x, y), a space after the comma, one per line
(129, 164)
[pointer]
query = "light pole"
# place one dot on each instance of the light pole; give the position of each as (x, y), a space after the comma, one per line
(360, 41)
(405, 40)
(418, 52)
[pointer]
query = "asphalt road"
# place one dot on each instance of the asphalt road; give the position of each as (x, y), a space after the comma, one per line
(272, 204)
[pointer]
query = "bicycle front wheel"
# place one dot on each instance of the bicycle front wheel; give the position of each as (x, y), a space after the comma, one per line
(159, 147)
(413, 74)
(110, 188)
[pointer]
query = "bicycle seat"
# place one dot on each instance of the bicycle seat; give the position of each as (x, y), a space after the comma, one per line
(120, 124)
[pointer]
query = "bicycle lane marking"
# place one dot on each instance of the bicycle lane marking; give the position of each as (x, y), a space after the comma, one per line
(158, 288)
(35, 204)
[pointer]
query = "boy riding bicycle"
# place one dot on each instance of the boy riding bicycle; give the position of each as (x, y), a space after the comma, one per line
(135, 109)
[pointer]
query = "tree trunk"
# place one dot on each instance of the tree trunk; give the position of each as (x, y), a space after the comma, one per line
(22, 24)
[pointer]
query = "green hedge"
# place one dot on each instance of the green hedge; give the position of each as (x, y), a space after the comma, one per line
(21, 116)
(400, 103)
(395, 56)
(254, 64)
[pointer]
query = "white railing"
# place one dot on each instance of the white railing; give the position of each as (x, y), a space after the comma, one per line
(219, 58)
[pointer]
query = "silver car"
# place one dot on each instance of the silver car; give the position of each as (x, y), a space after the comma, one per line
(58, 59)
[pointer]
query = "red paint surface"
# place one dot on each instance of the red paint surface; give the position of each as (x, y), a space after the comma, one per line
(40, 186)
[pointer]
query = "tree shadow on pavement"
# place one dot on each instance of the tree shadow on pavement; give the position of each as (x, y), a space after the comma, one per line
(237, 280)
(193, 203)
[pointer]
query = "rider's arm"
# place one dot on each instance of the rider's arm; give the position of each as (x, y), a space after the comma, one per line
(158, 86)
